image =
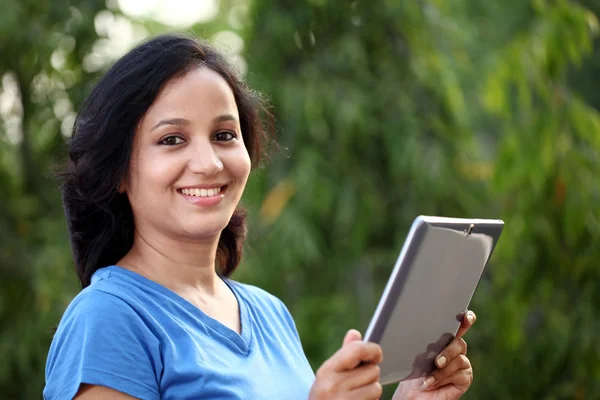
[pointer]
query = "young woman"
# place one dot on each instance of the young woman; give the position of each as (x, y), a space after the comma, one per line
(160, 155)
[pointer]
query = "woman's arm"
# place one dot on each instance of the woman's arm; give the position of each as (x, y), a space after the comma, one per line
(94, 392)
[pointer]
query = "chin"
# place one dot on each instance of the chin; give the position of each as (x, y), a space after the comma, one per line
(205, 230)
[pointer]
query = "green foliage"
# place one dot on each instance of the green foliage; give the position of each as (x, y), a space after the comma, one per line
(45, 63)
(459, 108)
(385, 110)
(36, 281)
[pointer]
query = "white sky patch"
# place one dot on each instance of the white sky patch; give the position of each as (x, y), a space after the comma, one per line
(11, 111)
(228, 41)
(176, 13)
(232, 45)
(138, 8)
(237, 16)
(118, 34)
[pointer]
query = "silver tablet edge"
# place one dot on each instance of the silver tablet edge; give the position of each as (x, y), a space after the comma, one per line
(419, 222)
(437, 220)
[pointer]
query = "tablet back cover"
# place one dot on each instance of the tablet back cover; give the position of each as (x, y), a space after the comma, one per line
(429, 291)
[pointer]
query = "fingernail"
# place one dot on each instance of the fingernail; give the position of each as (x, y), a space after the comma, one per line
(441, 361)
(470, 317)
(427, 382)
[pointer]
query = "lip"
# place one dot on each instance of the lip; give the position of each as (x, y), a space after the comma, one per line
(204, 186)
(204, 201)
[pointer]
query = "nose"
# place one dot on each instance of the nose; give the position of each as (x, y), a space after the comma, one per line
(205, 159)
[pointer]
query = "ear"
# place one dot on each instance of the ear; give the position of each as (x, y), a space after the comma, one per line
(122, 187)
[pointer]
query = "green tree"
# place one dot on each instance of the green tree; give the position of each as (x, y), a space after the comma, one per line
(51, 52)
(42, 44)
(392, 109)
(385, 110)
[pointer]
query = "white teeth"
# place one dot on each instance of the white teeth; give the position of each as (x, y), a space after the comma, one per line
(201, 192)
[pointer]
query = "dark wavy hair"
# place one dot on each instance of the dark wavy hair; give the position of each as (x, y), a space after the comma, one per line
(99, 218)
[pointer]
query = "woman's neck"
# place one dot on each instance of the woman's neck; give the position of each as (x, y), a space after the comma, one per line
(178, 265)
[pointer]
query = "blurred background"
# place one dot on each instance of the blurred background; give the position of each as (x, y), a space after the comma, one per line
(385, 109)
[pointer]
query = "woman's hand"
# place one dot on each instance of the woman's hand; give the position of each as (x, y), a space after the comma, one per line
(452, 377)
(351, 373)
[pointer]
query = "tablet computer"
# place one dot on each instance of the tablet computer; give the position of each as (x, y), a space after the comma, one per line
(429, 291)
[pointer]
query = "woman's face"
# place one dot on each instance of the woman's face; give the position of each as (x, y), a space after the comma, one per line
(189, 163)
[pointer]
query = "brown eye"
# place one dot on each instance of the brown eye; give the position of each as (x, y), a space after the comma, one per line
(224, 136)
(171, 141)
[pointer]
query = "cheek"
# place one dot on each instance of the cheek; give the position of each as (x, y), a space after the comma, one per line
(243, 166)
(237, 163)
(163, 171)
(152, 174)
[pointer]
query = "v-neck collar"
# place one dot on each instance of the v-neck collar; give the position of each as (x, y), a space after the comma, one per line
(241, 341)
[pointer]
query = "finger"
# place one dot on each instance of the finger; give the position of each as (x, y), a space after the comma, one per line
(352, 354)
(438, 376)
(351, 336)
(456, 347)
(361, 376)
(468, 320)
(372, 391)
(461, 379)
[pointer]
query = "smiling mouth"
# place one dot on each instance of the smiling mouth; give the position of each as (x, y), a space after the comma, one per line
(208, 192)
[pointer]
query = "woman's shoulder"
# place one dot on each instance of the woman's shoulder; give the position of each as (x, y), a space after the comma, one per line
(260, 297)
(115, 293)
(103, 296)
(94, 308)
(108, 301)
(254, 292)
(97, 300)
(269, 309)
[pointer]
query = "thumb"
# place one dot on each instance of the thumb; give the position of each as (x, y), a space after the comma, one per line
(351, 336)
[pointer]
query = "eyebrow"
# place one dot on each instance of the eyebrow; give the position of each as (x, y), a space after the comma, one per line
(172, 121)
(225, 118)
(185, 122)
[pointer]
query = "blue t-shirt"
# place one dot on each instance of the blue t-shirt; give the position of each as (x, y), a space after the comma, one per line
(133, 335)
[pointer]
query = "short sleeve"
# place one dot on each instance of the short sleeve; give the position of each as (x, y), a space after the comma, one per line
(101, 340)
(287, 317)
(289, 321)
